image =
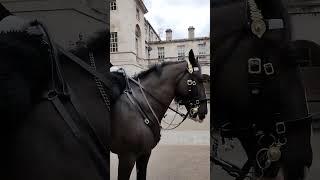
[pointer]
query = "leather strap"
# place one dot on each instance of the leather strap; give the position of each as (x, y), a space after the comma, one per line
(65, 115)
(108, 83)
(86, 140)
(155, 128)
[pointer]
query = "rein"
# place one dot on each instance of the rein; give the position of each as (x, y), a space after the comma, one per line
(150, 94)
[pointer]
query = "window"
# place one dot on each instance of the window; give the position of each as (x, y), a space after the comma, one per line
(114, 42)
(181, 52)
(113, 5)
(138, 14)
(202, 49)
(161, 53)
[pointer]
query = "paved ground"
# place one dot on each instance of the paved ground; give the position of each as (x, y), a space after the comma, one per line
(182, 154)
(171, 162)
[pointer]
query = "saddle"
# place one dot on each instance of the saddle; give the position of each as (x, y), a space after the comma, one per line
(120, 82)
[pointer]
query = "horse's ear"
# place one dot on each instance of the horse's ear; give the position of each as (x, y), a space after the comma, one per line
(192, 59)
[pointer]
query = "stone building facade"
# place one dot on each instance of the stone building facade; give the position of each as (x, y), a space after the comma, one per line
(135, 44)
(130, 34)
(178, 49)
(64, 19)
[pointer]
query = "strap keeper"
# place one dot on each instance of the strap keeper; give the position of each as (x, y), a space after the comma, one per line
(52, 94)
(280, 127)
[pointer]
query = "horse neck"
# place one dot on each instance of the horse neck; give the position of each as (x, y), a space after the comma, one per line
(3, 12)
(162, 88)
(85, 90)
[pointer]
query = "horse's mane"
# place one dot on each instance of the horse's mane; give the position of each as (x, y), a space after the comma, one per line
(3, 12)
(155, 68)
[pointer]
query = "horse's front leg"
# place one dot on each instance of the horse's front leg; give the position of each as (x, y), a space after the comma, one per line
(126, 164)
(141, 166)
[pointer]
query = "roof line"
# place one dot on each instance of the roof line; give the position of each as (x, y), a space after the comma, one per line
(152, 28)
(141, 3)
(180, 40)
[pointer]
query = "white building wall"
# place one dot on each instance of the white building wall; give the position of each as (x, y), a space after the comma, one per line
(124, 21)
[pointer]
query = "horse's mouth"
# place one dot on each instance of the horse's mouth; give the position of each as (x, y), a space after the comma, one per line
(202, 116)
(198, 117)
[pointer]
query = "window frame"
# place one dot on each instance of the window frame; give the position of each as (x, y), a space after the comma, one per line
(114, 42)
(161, 53)
(181, 50)
(113, 5)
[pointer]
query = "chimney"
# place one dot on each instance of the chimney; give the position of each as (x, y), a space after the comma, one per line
(191, 32)
(168, 35)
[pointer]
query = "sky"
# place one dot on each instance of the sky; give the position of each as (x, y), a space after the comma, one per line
(178, 15)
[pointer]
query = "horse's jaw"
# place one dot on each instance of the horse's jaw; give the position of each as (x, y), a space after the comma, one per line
(197, 119)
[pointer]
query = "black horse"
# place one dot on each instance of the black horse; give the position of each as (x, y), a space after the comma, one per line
(137, 113)
(259, 96)
(55, 111)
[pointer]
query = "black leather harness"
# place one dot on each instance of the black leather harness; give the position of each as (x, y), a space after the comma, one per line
(260, 70)
(62, 97)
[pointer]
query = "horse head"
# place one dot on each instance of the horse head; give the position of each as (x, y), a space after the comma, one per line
(190, 89)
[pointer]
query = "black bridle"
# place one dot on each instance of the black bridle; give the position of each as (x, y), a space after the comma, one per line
(193, 99)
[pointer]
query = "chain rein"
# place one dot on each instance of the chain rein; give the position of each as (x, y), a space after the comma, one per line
(100, 87)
